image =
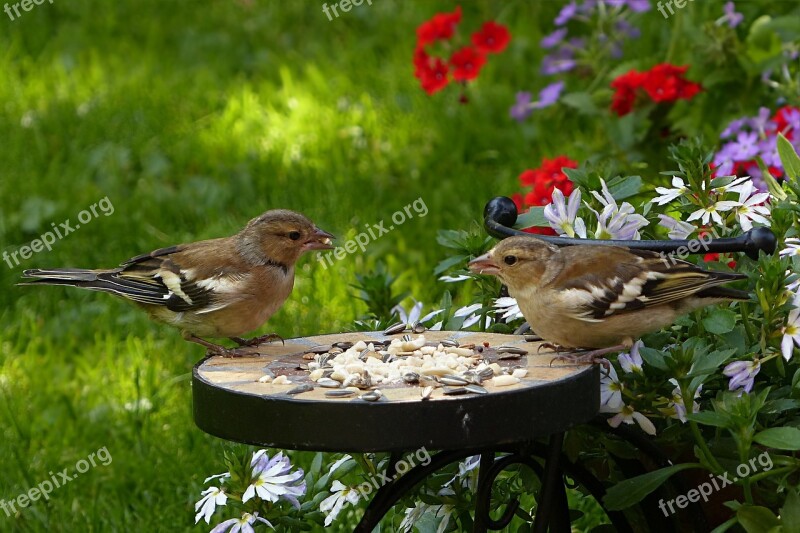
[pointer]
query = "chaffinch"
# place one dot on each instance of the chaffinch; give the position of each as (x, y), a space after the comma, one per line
(598, 297)
(215, 288)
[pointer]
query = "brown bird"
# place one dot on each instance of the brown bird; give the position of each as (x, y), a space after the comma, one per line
(600, 298)
(214, 288)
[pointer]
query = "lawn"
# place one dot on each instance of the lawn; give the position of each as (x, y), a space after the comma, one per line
(192, 118)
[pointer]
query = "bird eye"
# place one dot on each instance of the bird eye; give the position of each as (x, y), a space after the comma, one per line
(510, 259)
(294, 235)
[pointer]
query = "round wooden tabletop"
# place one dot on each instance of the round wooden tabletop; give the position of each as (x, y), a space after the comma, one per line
(231, 402)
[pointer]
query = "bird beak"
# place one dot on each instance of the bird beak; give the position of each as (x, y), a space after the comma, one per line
(484, 265)
(320, 240)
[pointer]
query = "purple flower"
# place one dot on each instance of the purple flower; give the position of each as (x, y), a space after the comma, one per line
(792, 117)
(745, 147)
(549, 41)
(549, 95)
(731, 16)
(627, 30)
(768, 149)
(561, 60)
(639, 6)
(733, 128)
(566, 14)
(761, 122)
(742, 374)
(522, 108)
(273, 479)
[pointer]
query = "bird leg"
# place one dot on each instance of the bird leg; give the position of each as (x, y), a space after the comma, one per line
(213, 349)
(255, 341)
(591, 357)
(551, 346)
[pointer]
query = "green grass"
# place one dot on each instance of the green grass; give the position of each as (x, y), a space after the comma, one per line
(192, 118)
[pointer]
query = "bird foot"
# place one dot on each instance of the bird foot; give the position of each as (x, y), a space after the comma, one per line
(550, 346)
(255, 341)
(590, 357)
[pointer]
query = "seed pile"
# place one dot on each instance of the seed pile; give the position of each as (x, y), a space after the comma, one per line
(348, 369)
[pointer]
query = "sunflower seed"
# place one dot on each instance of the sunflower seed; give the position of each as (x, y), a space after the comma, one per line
(427, 381)
(508, 356)
(532, 338)
(328, 383)
(371, 396)
(486, 373)
(339, 393)
(452, 379)
(426, 393)
(394, 329)
(305, 387)
(454, 391)
(343, 345)
(411, 377)
(477, 389)
(363, 354)
(449, 343)
(418, 328)
(511, 349)
(320, 348)
(406, 338)
(472, 377)
(468, 346)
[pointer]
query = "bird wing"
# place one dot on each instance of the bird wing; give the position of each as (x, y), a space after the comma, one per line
(598, 282)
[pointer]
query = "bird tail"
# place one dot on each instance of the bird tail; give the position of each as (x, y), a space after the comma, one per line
(59, 276)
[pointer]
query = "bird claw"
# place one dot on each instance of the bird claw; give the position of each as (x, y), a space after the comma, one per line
(551, 346)
(255, 341)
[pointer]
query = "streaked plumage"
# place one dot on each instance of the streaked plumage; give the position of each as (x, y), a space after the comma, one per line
(215, 288)
(590, 296)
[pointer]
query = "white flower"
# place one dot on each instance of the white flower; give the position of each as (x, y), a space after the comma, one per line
(338, 463)
(509, 307)
(454, 279)
(677, 406)
(212, 497)
(629, 416)
(273, 479)
(712, 211)
(464, 468)
(240, 525)
(410, 317)
(217, 476)
(468, 311)
(792, 247)
(340, 495)
(667, 195)
(562, 217)
(610, 392)
(791, 332)
(677, 229)
(616, 222)
(734, 186)
(632, 362)
(413, 515)
(749, 210)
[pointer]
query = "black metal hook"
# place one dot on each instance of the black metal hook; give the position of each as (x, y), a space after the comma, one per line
(500, 214)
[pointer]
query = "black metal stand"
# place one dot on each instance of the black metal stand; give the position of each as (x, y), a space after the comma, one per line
(500, 215)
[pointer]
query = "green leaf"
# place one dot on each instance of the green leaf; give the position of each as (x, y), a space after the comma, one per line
(710, 418)
(782, 438)
(790, 512)
(581, 101)
(534, 217)
(621, 188)
(705, 364)
(789, 158)
(447, 263)
(653, 358)
(578, 177)
(719, 321)
(633, 490)
(772, 185)
(756, 519)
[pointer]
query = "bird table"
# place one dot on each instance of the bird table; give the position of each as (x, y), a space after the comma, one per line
(502, 426)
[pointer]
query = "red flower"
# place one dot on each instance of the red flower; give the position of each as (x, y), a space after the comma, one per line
(782, 123)
(662, 83)
(540, 230)
(492, 38)
(546, 179)
(625, 95)
(440, 27)
(467, 63)
(433, 77)
(666, 83)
